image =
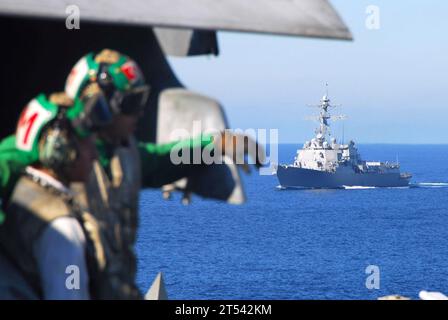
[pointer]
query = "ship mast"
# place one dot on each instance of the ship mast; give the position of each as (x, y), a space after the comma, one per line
(323, 131)
(324, 116)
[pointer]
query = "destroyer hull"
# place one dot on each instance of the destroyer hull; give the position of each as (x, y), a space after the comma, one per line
(290, 176)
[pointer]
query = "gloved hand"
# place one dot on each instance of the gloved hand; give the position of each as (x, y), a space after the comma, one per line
(237, 146)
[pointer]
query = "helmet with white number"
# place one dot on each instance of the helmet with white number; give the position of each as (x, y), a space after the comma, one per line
(47, 127)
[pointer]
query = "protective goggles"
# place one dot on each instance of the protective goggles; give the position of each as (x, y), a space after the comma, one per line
(130, 102)
(96, 114)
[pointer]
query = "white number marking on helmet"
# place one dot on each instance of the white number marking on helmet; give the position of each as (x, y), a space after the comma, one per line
(31, 120)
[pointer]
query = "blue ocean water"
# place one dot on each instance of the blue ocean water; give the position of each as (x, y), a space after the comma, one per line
(304, 244)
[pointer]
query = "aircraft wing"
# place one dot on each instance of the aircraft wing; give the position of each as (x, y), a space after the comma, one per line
(187, 42)
(307, 18)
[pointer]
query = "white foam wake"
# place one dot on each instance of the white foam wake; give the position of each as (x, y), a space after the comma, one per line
(357, 187)
(432, 184)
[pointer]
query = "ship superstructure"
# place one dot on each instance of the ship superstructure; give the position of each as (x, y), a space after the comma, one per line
(324, 163)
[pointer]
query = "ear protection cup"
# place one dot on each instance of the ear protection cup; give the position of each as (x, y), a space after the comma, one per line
(57, 148)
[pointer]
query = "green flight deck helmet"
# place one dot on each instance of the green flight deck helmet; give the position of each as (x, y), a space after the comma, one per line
(27, 146)
(85, 116)
(116, 76)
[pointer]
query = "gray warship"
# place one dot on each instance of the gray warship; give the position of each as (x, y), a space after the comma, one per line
(324, 163)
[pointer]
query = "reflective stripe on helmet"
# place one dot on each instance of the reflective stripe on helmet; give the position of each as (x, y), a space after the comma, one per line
(76, 78)
(85, 69)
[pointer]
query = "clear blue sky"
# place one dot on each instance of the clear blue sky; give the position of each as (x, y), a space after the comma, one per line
(392, 83)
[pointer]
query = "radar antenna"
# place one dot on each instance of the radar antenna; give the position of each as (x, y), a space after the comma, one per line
(323, 131)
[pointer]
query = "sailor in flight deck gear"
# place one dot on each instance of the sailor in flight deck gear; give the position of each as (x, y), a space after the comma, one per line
(17, 151)
(89, 112)
(117, 177)
(125, 166)
(46, 232)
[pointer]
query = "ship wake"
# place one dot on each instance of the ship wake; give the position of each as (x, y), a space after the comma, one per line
(430, 185)
(357, 187)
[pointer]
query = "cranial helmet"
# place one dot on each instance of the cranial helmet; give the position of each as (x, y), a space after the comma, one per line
(111, 78)
(47, 128)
